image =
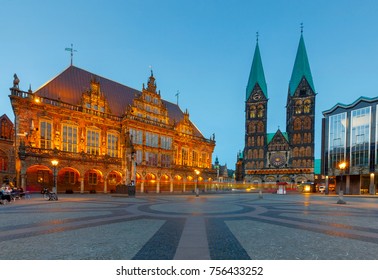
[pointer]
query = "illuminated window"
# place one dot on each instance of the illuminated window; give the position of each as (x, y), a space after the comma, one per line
(112, 145)
(45, 135)
(70, 177)
(92, 178)
(93, 142)
(165, 160)
(69, 138)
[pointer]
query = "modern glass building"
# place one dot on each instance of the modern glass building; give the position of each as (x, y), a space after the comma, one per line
(349, 146)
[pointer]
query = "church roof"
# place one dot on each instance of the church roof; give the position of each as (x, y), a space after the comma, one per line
(256, 75)
(301, 69)
(69, 85)
(270, 136)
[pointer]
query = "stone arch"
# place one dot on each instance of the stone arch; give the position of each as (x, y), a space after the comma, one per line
(113, 178)
(150, 182)
(93, 181)
(68, 179)
(37, 177)
(178, 183)
(307, 123)
(165, 183)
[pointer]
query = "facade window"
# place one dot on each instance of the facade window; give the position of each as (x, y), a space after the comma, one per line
(203, 161)
(336, 139)
(298, 107)
(43, 177)
(307, 106)
(185, 156)
(45, 135)
(297, 124)
(92, 178)
(260, 111)
(307, 123)
(166, 142)
(137, 136)
(252, 113)
(113, 145)
(151, 159)
(93, 142)
(138, 157)
(6, 129)
(165, 160)
(152, 139)
(70, 177)
(3, 161)
(360, 137)
(194, 158)
(69, 138)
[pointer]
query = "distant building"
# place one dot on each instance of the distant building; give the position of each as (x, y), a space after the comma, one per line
(224, 175)
(280, 156)
(7, 156)
(350, 136)
(103, 134)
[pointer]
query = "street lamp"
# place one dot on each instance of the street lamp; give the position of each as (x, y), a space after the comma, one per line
(54, 163)
(342, 166)
(196, 186)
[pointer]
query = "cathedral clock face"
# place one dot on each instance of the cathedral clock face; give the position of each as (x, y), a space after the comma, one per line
(256, 96)
(277, 160)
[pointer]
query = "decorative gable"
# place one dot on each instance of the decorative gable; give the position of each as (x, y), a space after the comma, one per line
(93, 100)
(149, 105)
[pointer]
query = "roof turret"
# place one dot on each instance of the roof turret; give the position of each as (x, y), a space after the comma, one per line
(256, 75)
(301, 68)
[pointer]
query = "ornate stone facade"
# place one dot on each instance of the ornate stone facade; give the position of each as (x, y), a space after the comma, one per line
(103, 134)
(7, 157)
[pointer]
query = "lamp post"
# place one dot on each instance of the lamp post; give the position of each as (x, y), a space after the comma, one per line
(54, 163)
(196, 186)
(342, 166)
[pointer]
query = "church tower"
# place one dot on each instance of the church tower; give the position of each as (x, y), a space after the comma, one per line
(300, 110)
(256, 109)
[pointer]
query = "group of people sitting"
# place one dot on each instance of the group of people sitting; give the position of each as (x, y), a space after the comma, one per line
(9, 193)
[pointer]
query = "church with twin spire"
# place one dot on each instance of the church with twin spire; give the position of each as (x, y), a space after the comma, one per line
(281, 156)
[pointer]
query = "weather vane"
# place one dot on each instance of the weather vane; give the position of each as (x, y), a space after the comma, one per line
(177, 95)
(257, 36)
(301, 27)
(72, 51)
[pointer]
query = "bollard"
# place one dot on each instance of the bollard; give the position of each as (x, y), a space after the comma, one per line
(260, 194)
(197, 192)
(341, 198)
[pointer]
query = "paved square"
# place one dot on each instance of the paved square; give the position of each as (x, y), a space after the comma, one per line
(230, 226)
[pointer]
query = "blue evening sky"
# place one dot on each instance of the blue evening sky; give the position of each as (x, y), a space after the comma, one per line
(203, 49)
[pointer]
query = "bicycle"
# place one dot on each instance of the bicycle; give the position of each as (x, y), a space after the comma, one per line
(47, 195)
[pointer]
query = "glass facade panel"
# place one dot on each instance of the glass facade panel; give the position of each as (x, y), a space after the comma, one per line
(360, 137)
(337, 139)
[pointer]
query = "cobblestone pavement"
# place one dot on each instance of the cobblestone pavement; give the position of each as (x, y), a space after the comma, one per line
(233, 226)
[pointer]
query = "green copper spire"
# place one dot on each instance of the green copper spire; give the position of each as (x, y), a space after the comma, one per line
(301, 68)
(256, 76)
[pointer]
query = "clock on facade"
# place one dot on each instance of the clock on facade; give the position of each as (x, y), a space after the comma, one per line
(277, 159)
(256, 96)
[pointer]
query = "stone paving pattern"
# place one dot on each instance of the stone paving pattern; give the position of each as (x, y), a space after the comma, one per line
(228, 226)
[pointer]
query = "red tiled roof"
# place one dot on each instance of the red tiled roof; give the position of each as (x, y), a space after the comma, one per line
(69, 85)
